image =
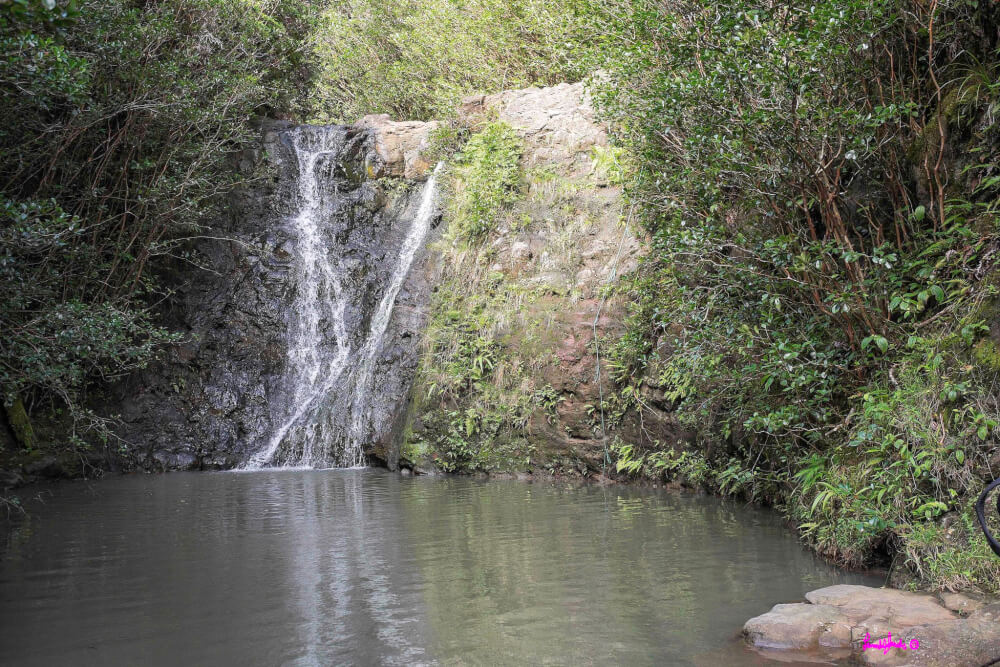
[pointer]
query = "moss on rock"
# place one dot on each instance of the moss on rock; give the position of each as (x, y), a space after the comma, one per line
(987, 354)
(20, 424)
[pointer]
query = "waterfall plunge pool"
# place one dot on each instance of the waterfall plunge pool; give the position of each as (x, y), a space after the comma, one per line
(362, 566)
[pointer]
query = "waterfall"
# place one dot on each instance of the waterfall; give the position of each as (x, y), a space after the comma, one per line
(318, 294)
(360, 416)
(324, 417)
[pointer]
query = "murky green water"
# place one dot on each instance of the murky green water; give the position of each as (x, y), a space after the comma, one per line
(364, 567)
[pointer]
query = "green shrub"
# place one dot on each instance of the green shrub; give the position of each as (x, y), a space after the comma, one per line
(416, 60)
(121, 120)
(488, 179)
(812, 302)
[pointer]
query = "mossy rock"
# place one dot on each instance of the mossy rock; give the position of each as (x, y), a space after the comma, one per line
(952, 107)
(986, 353)
(416, 453)
(20, 424)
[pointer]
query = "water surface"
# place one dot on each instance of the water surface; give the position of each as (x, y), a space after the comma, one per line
(365, 567)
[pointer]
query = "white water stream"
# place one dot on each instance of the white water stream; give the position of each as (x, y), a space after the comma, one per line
(361, 405)
(319, 350)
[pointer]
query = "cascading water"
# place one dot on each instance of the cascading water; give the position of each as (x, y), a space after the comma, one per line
(361, 424)
(333, 338)
(318, 298)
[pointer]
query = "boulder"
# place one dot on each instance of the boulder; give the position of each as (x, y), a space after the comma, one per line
(400, 146)
(973, 641)
(793, 626)
(837, 617)
(899, 608)
(48, 466)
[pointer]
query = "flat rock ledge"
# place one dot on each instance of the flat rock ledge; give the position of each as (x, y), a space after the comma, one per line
(401, 146)
(950, 630)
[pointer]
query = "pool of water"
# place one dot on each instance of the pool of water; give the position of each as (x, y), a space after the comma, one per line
(367, 567)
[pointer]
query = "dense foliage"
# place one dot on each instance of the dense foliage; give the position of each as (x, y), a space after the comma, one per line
(820, 187)
(120, 118)
(489, 179)
(819, 184)
(417, 59)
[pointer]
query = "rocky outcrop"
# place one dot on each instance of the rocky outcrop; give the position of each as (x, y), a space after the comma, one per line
(558, 123)
(210, 402)
(399, 147)
(906, 628)
(565, 238)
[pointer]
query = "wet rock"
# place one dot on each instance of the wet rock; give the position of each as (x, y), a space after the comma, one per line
(219, 395)
(183, 460)
(48, 466)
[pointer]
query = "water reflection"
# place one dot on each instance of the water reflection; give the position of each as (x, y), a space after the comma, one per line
(362, 567)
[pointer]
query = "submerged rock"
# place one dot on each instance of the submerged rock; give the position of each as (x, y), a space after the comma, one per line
(919, 627)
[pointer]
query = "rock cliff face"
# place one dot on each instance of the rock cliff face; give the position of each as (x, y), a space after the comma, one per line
(566, 237)
(218, 398)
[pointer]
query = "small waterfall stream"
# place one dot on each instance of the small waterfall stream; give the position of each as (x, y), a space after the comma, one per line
(326, 417)
(360, 413)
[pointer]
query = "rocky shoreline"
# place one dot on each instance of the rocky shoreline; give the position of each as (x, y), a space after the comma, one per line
(880, 626)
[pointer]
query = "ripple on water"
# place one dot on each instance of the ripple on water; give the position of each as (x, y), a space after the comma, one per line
(311, 567)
